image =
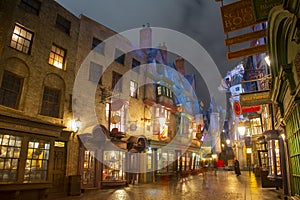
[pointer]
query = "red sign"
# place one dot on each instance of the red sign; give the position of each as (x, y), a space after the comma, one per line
(237, 108)
(250, 109)
(117, 104)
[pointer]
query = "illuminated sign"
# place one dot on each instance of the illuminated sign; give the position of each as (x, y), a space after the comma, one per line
(253, 99)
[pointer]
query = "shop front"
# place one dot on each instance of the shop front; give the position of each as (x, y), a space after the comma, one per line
(26, 157)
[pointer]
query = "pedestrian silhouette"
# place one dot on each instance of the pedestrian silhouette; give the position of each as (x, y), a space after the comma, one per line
(237, 167)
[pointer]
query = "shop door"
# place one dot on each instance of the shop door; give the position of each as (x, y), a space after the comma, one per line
(59, 168)
(88, 174)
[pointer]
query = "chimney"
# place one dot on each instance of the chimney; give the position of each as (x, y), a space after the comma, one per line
(179, 63)
(146, 36)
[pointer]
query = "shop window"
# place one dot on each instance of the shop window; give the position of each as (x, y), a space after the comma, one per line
(119, 57)
(10, 91)
(100, 49)
(165, 161)
(88, 167)
(63, 24)
(118, 119)
(32, 6)
(37, 160)
(21, 39)
(95, 73)
(114, 163)
(133, 89)
(57, 56)
(135, 65)
(51, 101)
(116, 84)
(10, 148)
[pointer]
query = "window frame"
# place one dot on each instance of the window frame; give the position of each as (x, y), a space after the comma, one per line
(63, 24)
(93, 73)
(10, 90)
(116, 81)
(28, 6)
(17, 38)
(48, 106)
(95, 43)
(57, 54)
(134, 92)
(135, 64)
(121, 56)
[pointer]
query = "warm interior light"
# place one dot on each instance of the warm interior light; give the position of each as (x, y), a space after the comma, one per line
(242, 130)
(267, 60)
(249, 150)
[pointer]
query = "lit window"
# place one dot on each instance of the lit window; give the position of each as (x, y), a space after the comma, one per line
(32, 6)
(133, 89)
(37, 160)
(159, 90)
(119, 56)
(10, 90)
(100, 48)
(21, 39)
(10, 148)
(57, 56)
(63, 24)
(50, 104)
(95, 74)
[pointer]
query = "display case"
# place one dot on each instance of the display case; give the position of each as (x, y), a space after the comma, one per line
(274, 156)
(114, 163)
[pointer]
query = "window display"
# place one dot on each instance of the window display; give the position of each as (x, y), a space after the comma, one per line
(88, 167)
(10, 147)
(114, 163)
(37, 160)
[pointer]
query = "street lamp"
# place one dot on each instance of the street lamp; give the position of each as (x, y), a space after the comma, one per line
(227, 141)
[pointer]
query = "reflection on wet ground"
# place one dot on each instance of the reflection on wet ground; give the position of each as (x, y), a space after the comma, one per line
(224, 185)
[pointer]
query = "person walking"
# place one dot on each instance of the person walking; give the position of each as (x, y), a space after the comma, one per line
(237, 167)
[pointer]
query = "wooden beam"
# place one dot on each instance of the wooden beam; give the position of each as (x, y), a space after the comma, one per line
(247, 52)
(246, 37)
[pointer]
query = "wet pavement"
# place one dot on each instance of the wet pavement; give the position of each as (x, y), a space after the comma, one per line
(224, 185)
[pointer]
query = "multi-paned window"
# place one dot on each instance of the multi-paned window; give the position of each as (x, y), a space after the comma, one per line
(10, 148)
(163, 91)
(133, 89)
(100, 48)
(116, 82)
(10, 90)
(21, 39)
(37, 160)
(57, 56)
(95, 73)
(32, 6)
(119, 56)
(51, 101)
(135, 64)
(63, 24)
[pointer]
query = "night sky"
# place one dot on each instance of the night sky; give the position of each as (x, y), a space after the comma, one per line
(199, 19)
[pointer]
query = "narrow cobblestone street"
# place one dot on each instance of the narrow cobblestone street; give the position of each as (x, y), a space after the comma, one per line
(224, 185)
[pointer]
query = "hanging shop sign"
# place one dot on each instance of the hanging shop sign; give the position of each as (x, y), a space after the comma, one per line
(254, 99)
(237, 15)
(247, 52)
(246, 37)
(117, 105)
(237, 108)
(263, 7)
(249, 109)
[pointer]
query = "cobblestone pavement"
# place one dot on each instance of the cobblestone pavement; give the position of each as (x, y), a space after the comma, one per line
(224, 185)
